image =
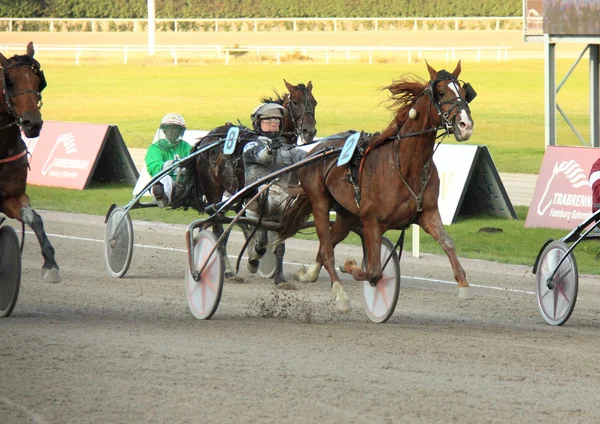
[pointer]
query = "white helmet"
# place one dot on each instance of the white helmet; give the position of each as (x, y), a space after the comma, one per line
(171, 120)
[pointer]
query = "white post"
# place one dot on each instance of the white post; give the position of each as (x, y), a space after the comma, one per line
(415, 241)
(151, 27)
(174, 54)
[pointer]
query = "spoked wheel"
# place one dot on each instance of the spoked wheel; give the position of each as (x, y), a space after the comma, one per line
(203, 296)
(118, 243)
(10, 270)
(380, 301)
(267, 264)
(556, 303)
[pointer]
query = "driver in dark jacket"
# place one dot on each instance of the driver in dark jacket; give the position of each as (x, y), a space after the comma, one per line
(270, 152)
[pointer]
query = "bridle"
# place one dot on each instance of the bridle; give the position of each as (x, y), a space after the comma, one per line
(20, 61)
(308, 109)
(447, 117)
(457, 104)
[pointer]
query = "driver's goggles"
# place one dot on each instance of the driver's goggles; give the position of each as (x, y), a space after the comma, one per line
(271, 120)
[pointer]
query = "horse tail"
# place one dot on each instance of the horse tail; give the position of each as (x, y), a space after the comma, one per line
(297, 209)
(190, 193)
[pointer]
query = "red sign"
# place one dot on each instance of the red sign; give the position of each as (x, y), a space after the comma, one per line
(563, 195)
(65, 154)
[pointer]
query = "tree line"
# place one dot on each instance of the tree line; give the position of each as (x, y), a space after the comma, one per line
(182, 9)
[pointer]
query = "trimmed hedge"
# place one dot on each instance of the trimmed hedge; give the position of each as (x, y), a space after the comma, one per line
(182, 9)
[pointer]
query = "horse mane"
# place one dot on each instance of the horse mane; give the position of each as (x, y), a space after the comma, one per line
(277, 99)
(403, 92)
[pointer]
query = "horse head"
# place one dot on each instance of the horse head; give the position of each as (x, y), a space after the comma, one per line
(22, 85)
(300, 107)
(450, 102)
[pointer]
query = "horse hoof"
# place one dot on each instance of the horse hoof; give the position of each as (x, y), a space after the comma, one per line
(465, 293)
(300, 274)
(349, 264)
(342, 303)
(285, 286)
(252, 266)
(51, 276)
(234, 279)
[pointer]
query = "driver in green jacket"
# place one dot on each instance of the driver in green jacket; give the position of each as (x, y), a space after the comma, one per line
(164, 153)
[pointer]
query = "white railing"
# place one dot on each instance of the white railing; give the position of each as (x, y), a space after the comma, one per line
(260, 24)
(277, 54)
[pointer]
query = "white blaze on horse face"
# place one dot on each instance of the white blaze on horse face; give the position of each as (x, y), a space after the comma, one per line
(464, 123)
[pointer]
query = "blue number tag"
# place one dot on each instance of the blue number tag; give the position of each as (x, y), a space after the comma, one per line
(231, 140)
(348, 150)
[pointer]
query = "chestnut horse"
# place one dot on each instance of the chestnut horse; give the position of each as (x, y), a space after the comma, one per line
(392, 185)
(214, 173)
(20, 102)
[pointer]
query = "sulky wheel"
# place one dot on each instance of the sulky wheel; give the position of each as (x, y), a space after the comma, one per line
(118, 243)
(380, 301)
(556, 299)
(10, 270)
(203, 296)
(267, 264)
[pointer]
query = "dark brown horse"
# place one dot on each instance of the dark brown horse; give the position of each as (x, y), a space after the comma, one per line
(20, 102)
(393, 184)
(215, 174)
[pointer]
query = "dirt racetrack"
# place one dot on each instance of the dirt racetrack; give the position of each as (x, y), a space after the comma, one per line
(97, 349)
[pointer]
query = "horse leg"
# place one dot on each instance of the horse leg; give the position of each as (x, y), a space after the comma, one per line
(218, 232)
(256, 250)
(431, 222)
(279, 252)
(338, 232)
(326, 256)
(20, 209)
(372, 233)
